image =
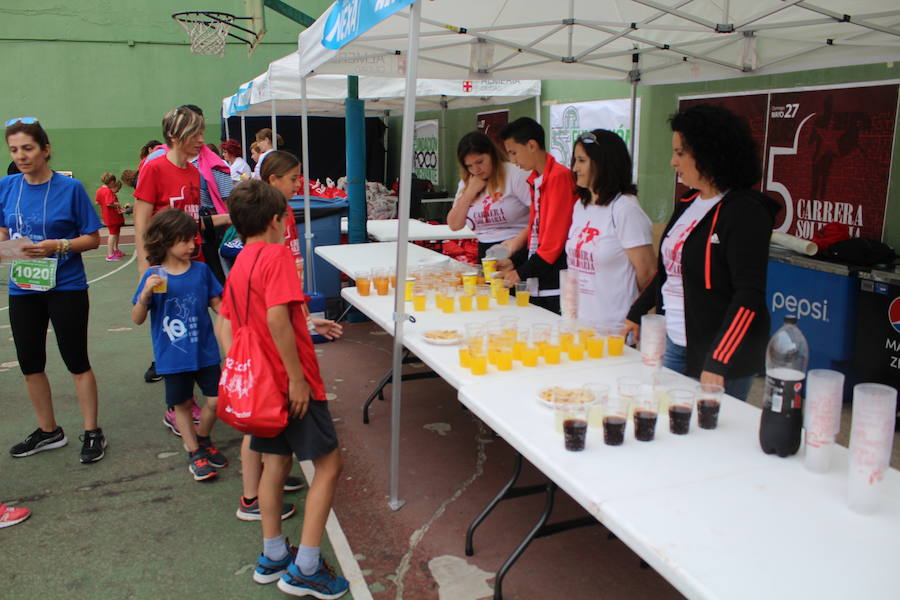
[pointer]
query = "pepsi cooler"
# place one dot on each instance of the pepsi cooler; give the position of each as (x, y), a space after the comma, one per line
(823, 296)
(326, 230)
(878, 328)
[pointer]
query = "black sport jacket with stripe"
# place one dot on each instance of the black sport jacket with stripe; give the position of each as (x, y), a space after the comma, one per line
(723, 267)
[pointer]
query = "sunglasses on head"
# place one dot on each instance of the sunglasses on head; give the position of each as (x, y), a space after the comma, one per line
(586, 138)
(23, 120)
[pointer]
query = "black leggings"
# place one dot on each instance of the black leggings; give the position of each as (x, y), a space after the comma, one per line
(28, 318)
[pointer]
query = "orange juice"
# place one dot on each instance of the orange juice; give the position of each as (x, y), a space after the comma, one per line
(502, 295)
(465, 303)
(449, 304)
(162, 287)
(418, 301)
(382, 285)
(363, 286)
(409, 289)
(483, 301)
(439, 301)
(505, 359)
(489, 266)
(565, 339)
(522, 298)
(478, 364)
(496, 284)
(584, 334)
(615, 344)
(576, 351)
(595, 347)
(393, 279)
(493, 353)
(530, 356)
(552, 354)
(470, 280)
(464, 358)
(519, 349)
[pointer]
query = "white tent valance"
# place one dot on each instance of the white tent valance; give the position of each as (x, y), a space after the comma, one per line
(326, 93)
(677, 41)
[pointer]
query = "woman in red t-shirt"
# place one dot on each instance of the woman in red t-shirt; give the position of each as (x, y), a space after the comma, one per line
(111, 213)
(170, 181)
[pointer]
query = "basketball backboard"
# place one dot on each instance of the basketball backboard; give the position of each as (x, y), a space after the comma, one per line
(256, 11)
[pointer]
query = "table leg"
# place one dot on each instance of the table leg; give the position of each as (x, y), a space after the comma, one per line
(378, 392)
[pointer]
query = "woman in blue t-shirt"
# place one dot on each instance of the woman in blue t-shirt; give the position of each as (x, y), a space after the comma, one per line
(54, 214)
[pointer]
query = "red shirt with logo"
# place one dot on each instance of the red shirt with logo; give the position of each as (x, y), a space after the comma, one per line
(165, 185)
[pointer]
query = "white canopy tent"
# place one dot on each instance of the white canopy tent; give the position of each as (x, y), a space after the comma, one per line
(647, 41)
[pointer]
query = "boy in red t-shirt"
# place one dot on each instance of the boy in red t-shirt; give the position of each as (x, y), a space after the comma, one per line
(263, 284)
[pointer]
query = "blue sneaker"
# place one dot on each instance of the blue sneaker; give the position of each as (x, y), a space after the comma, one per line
(323, 584)
(268, 570)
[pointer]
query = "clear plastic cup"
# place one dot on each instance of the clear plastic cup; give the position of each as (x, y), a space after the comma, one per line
(381, 281)
(681, 405)
(363, 282)
(482, 297)
(574, 417)
(615, 417)
(822, 417)
(163, 286)
(709, 401)
(646, 412)
(653, 339)
(615, 341)
(522, 294)
(599, 391)
(871, 442)
(419, 296)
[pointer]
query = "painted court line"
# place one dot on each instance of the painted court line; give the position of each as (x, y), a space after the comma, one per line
(349, 565)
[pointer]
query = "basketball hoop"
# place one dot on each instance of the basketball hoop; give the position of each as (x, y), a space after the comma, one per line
(208, 30)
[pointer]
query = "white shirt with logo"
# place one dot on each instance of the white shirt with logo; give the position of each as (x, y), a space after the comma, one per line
(595, 252)
(672, 245)
(498, 217)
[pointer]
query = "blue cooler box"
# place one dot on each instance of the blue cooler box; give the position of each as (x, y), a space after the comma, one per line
(823, 296)
(326, 230)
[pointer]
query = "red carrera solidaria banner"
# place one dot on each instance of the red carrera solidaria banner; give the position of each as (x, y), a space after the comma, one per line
(827, 154)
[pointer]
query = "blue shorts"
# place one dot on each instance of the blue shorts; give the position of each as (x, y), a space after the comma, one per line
(180, 386)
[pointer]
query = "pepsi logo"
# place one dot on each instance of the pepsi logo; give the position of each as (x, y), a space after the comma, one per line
(894, 314)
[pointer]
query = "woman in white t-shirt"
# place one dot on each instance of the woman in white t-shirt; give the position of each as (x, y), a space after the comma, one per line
(609, 250)
(234, 156)
(493, 196)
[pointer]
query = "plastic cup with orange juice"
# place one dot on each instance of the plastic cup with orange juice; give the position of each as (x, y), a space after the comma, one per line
(615, 341)
(482, 297)
(465, 302)
(464, 357)
(419, 295)
(363, 282)
(490, 266)
(469, 280)
(478, 363)
(522, 294)
(576, 351)
(502, 294)
(530, 356)
(594, 345)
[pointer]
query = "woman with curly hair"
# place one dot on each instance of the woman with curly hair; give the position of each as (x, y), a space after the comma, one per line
(711, 277)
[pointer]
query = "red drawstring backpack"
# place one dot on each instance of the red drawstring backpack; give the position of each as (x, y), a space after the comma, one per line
(252, 390)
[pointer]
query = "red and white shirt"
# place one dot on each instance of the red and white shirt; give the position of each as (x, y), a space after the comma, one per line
(498, 217)
(165, 185)
(597, 262)
(672, 244)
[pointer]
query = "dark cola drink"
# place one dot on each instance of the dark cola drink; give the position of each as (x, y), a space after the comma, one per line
(708, 414)
(575, 432)
(644, 425)
(679, 419)
(781, 420)
(614, 431)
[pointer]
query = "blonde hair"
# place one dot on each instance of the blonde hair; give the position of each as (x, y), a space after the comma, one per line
(180, 124)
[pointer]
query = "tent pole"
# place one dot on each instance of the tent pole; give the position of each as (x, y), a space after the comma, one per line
(387, 127)
(355, 155)
(227, 133)
(309, 278)
(635, 77)
(537, 109)
(274, 127)
(406, 162)
(244, 136)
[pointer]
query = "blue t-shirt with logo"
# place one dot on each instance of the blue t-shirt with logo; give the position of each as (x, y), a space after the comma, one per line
(69, 214)
(182, 331)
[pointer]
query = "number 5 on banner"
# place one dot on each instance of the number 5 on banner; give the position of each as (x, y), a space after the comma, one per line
(774, 186)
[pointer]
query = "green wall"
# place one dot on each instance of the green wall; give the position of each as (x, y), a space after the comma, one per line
(100, 74)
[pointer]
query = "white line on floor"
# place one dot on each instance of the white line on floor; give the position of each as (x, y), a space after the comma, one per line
(419, 533)
(349, 565)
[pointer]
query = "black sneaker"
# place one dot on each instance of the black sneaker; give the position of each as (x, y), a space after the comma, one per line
(151, 376)
(39, 441)
(292, 484)
(200, 467)
(93, 445)
(216, 459)
(250, 512)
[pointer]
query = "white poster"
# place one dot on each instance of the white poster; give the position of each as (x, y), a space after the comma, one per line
(568, 121)
(425, 150)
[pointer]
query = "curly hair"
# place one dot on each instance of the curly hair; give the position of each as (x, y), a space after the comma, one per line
(721, 144)
(610, 167)
(167, 228)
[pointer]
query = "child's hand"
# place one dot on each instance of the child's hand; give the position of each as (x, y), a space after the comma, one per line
(152, 282)
(327, 328)
(298, 398)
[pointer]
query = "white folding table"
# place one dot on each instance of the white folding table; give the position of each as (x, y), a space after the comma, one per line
(709, 511)
(385, 230)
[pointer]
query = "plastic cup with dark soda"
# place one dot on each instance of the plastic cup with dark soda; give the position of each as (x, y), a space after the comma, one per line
(574, 417)
(646, 411)
(709, 400)
(615, 416)
(681, 405)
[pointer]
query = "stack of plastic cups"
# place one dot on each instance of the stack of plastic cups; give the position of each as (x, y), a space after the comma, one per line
(822, 417)
(653, 344)
(871, 442)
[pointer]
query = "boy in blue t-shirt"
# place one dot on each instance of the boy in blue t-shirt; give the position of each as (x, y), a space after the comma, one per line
(177, 293)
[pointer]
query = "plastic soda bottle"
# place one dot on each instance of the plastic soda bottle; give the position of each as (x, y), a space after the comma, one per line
(787, 356)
